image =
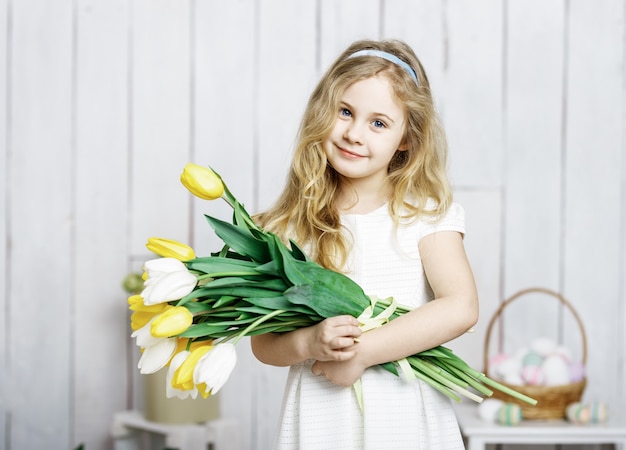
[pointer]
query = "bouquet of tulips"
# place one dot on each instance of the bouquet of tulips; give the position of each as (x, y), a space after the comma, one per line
(193, 310)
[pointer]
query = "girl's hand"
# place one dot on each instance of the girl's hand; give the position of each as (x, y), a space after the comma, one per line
(342, 373)
(333, 339)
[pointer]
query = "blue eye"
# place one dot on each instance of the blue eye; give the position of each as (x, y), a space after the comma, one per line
(344, 112)
(378, 124)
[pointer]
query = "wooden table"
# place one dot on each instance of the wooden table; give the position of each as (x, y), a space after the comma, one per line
(478, 433)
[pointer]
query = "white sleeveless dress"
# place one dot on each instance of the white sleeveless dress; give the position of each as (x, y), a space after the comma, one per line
(319, 415)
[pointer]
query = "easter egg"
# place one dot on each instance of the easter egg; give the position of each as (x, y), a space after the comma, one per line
(509, 414)
(495, 361)
(576, 372)
(543, 346)
(513, 378)
(578, 413)
(532, 359)
(593, 412)
(564, 353)
(598, 412)
(521, 352)
(488, 409)
(532, 375)
(509, 366)
(555, 371)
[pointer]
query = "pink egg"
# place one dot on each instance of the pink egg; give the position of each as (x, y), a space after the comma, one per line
(532, 375)
(496, 360)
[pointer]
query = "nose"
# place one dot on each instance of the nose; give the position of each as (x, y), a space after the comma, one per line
(352, 133)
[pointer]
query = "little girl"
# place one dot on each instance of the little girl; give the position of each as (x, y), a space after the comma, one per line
(368, 195)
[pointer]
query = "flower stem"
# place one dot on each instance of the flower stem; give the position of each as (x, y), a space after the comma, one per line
(257, 322)
(489, 382)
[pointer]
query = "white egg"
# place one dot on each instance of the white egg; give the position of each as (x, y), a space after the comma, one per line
(564, 352)
(555, 371)
(488, 409)
(514, 379)
(509, 366)
(543, 346)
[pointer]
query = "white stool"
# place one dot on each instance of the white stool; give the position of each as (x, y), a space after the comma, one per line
(478, 433)
(131, 431)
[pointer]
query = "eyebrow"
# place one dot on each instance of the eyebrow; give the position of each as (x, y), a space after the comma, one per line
(342, 102)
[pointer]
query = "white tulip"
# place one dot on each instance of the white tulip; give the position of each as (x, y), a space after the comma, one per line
(169, 286)
(215, 367)
(155, 357)
(143, 337)
(158, 267)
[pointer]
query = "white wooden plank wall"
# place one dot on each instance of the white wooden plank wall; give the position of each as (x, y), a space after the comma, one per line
(104, 101)
(4, 76)
(100, 208)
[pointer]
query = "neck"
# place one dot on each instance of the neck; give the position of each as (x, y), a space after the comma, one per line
(361, 198)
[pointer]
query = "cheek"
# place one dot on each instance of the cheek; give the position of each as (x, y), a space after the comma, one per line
(335, 134)
(327, 145)
(337, 130)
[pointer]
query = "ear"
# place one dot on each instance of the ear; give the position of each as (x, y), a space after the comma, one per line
(403, 147)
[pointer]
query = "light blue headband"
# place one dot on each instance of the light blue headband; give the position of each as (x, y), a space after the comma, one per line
(389, 57)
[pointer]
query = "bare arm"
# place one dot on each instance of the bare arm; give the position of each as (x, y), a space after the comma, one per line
(330, 340)
(453, 311)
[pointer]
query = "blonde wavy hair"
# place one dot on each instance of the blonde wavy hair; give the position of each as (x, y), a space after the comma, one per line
(306, 210)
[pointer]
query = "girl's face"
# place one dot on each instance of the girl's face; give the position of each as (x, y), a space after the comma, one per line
(368, 131)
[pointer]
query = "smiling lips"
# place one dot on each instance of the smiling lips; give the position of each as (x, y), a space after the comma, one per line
(348, 154)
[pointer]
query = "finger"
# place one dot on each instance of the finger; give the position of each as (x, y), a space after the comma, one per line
(350, 320)
(343, 343)
(348, 330)
(351, 331)
(343, 320)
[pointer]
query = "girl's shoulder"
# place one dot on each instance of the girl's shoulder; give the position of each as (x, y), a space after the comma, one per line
(429, 221)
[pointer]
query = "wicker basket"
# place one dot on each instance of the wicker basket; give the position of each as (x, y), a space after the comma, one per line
(552, 401)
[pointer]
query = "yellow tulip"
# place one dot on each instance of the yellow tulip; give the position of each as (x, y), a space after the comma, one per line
(136, 304)
(135, 300)
(202, 182)
(183, 344)
(143, 313)
(139, 318)
(183, 376)
(171, 322)
(169, 248)
(171, 390)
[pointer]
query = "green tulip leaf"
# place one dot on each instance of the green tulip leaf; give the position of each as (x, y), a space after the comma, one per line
(240, 240)
(324, 301)
(282, 302)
